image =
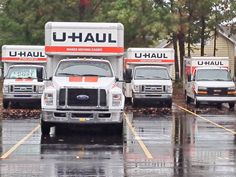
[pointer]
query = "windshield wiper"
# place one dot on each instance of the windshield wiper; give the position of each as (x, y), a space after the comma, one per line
(93, 75)
(222, 80)
(67, 74)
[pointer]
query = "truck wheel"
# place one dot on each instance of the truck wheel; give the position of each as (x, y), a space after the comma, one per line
(134, 103)
(196, 103)
(45, 128)
(187, 99)
(231, 105)
(119, 128)
(169, 104)
(5, 104)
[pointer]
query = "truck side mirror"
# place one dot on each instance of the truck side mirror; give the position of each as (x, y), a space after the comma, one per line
(40, 74)
(128, 75)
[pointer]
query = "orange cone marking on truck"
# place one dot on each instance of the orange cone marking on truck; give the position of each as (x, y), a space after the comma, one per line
(83, 79)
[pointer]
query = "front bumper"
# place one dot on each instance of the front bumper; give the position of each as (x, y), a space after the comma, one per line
(216, 99)
(146, 96)
(22, 97)
(82, 117)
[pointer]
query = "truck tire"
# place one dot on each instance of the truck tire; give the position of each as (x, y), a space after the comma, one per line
(5, 104)
(45, 128)
(187, 98)
(134, 102)
(231, 105)
(196, 103)
(169, 104)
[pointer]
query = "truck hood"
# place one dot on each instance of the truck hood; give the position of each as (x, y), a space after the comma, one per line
(215, 83)
(84, 82)
(152, 82)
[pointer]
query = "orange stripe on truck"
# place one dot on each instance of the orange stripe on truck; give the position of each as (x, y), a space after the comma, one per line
(83, 79)
(58, 49)
(150, 60)
(24, 80)
(22, 59)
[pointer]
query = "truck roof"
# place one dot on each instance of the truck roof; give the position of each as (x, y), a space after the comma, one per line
(207, 58)
(84, 25)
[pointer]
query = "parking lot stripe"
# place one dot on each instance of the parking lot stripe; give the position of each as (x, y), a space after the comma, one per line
(137, 137)
(13, 148)
(217, 125)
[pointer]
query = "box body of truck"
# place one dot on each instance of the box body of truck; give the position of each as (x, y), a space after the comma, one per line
(24, 71)
(150, 80)
(208, 80)
(85, 60)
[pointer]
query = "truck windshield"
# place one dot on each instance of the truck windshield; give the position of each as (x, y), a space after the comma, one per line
(84, 68)
(151, 73)
(212, 75)
(22, 72)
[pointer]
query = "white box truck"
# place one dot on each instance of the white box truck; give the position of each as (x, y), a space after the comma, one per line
(148, 78)
(86, 62)
(208, 80)
(24, 71)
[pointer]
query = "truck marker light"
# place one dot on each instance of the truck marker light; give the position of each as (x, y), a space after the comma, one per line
(232, 92)
(23, 59)
(202, 92)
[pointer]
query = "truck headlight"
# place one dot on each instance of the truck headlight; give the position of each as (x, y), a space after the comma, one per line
(202, 90)
(40, 88)
(137, 88)
(5, 89)
(231, 91)
(169, 89)
(116, 99)
(48, 98)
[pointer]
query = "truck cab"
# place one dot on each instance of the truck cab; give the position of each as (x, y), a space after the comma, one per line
(24, 72)
(152, 84)
(148, 78)
(209, 82)
(84, 88)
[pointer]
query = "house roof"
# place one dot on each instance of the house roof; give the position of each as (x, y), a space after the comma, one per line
(223, 30)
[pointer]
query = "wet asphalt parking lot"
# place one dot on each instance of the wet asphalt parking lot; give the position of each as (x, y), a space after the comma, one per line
(181, 142)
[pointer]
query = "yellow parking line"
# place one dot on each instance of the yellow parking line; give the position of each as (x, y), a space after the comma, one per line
(142, 145)
(217, 125)
(13, 148)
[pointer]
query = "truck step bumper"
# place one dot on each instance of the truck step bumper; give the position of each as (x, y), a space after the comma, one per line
(80, 117)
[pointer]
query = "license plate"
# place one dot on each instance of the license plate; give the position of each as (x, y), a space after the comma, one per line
(82, 119)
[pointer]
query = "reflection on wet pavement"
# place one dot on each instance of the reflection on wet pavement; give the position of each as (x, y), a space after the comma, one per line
(181, 144)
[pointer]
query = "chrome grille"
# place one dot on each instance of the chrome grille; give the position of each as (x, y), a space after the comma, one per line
(217, 91)
(22, 89)
(152, 88)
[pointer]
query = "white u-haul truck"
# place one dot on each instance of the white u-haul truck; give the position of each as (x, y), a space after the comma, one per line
(86, 62)
(24, 71)
(148, 75)
(208, 80)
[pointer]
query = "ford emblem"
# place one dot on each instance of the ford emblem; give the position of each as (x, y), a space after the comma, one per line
(82, 97)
